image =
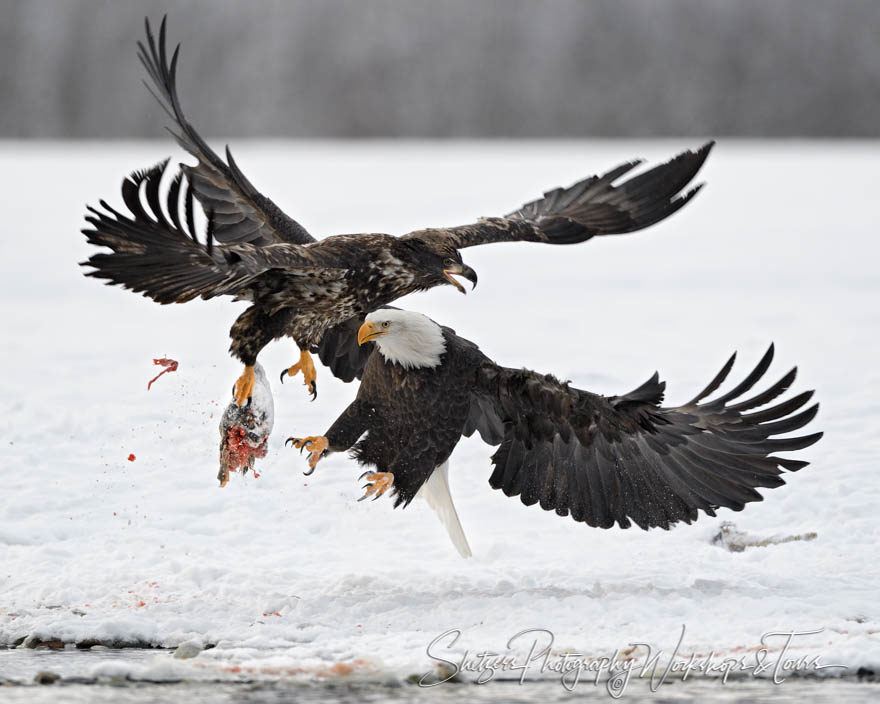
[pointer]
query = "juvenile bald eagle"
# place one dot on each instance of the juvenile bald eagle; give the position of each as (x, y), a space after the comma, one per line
(601, 459)
(302, 288)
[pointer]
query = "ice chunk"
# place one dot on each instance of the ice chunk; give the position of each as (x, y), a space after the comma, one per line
(736, 540)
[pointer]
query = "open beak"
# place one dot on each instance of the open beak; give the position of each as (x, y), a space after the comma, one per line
(368, 332)
(461, 270)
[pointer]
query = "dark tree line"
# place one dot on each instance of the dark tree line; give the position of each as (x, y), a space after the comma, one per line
(440, 68)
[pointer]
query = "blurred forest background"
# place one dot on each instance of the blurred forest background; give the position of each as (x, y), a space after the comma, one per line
(449, 68)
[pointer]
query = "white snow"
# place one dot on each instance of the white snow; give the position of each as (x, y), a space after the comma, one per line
(290, 575)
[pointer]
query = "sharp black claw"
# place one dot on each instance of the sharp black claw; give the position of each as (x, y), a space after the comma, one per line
(282, 375)
(376, 496)
(289, 440)
(314, 390)
(364, 474)
(311, 469)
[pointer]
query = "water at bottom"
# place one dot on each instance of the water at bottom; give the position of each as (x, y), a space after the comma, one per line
(20, 666)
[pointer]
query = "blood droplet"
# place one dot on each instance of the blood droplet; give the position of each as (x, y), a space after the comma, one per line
(131, 457)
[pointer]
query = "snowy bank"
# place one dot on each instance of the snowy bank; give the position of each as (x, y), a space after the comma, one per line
(287, 575)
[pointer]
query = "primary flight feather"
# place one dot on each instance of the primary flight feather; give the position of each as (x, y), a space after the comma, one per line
(603, 460)
(314, 291)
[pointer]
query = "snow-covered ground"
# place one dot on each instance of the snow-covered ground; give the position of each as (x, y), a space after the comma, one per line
(288, 574)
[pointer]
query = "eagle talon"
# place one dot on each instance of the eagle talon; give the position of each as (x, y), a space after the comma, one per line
(317, 445)
(307, 367)
(378, 484)
(244, 385)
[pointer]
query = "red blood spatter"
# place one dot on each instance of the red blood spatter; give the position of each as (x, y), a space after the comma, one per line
(131, 457)
(170, 366)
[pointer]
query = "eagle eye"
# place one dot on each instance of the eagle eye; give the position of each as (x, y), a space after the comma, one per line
(449, 261)
(385, 324)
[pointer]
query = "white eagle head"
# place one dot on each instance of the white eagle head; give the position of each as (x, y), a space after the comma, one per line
(403, 337)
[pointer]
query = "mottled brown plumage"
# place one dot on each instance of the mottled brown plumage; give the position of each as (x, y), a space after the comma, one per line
(303, 288)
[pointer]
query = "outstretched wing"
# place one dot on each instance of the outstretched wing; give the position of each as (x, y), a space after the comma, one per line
(626, 459)
(594, 206)
(160, 255)
(241, 213)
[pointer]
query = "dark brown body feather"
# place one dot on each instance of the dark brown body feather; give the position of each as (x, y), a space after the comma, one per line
(305, 289)
(602, 460)
(413, 419)
(298, 290)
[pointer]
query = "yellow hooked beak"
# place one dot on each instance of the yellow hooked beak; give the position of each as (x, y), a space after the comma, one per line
(461, 270)
(448, 274)
(369, 331)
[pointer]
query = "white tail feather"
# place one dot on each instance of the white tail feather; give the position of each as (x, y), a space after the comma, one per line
(435, 492)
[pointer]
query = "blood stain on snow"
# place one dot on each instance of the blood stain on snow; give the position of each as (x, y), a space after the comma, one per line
(131, 457)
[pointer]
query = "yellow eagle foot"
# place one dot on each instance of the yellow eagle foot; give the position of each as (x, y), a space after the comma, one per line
(307, 367)
(377, 484)
(316, 445)
(244, 387)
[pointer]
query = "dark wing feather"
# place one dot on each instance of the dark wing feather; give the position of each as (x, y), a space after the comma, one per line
(241, 213)
(625, 459)
(591, 207)
(160, 255)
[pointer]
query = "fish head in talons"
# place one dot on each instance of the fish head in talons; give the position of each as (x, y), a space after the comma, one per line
(245, 430)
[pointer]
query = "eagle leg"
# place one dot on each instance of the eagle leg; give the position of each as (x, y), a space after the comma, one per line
(316, 445)
(377, 484)
(307, 367)
(244, 386)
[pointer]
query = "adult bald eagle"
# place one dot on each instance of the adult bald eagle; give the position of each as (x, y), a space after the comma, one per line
(601, 459)
(302, 288)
